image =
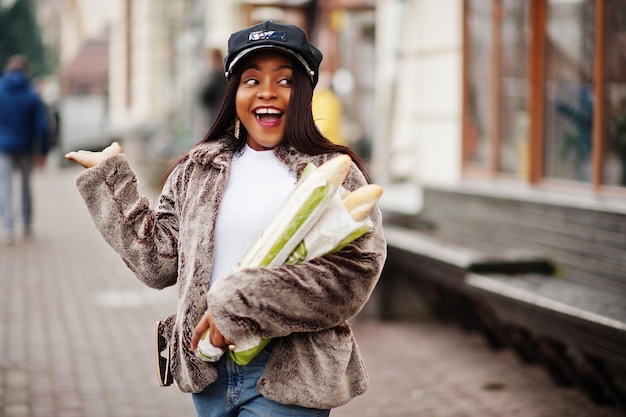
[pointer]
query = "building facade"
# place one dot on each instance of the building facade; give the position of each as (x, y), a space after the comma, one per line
(529, 93)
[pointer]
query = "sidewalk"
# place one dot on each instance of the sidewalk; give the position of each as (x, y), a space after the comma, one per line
(76, 339)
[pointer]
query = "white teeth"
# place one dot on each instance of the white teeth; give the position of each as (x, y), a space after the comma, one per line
(267, 111)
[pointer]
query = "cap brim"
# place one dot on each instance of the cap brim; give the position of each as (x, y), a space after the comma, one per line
(247, 51)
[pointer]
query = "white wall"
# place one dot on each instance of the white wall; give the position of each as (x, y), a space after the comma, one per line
(149, 86)
(221, 19)
(424, 135)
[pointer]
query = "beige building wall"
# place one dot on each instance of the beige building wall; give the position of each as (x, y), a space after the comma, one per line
(167, 39)
(138, 88)
(80, 20)
(117, 64)
(423, 99)
(221, 19)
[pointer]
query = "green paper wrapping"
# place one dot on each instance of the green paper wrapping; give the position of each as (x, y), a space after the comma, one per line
(313, 222)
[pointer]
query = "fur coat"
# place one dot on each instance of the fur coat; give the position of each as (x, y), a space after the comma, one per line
(305, 307)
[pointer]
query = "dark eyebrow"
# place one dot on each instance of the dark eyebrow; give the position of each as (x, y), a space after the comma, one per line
(258, 68)
(282, 67)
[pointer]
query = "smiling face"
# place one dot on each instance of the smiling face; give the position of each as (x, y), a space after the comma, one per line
(262, 98)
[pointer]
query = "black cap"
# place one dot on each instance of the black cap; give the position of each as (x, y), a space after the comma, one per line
(268, 34)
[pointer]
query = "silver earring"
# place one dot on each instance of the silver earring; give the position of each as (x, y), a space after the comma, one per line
(237, 128)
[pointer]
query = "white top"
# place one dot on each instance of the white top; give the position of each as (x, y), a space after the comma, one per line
(257, 188)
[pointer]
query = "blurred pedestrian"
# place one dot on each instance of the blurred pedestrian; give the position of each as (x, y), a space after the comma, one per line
(24, 141)
(212, 88)
(215, 202)
(328, 110)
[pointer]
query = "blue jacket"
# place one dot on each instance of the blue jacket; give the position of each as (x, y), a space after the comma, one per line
(24, 124)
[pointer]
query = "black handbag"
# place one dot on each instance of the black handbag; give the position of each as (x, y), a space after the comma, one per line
(163, 358)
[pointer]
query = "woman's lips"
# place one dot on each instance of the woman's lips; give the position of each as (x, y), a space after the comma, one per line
(268, 116)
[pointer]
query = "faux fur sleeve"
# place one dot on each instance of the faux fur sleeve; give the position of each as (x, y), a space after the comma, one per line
(305, 297)
(146, 239)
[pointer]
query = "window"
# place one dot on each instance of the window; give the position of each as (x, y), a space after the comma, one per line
(512, 86)
(479, 52)
(569, 89)
(545, 90)
(614, 92)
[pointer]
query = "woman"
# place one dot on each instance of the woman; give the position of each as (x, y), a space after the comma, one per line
(214, 203)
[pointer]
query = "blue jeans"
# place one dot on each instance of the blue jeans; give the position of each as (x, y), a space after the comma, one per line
(25, 162)
(235, 394)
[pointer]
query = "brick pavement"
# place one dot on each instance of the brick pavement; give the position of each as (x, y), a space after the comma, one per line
(76, 333)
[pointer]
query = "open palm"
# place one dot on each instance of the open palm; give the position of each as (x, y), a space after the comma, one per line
(90, 159)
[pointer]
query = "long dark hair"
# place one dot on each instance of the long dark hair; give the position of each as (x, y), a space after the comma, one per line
(300, 129)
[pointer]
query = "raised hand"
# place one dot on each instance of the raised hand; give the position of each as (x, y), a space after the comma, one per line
(90, 159)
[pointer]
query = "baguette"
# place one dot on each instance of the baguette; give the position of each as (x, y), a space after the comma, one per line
(335, 170)
(361, 201)
(298, 215)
